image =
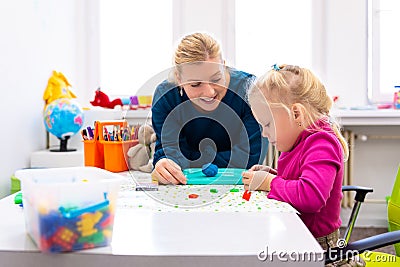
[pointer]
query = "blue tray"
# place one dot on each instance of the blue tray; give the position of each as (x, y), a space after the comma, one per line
(225, 176)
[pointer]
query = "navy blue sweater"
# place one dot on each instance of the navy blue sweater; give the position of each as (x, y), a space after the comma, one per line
(228, 136)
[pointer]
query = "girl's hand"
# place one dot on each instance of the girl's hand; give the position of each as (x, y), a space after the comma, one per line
(257, 180)
(166, 171)
(263, 168)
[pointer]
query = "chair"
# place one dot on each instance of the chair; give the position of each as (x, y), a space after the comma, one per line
(365, 246)
(394, 209)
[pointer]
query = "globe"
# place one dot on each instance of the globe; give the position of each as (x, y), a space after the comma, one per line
(63, 118)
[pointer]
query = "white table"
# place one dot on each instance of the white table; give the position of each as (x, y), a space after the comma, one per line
(176, 237)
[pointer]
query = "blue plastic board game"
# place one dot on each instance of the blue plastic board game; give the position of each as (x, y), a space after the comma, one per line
(225, 176)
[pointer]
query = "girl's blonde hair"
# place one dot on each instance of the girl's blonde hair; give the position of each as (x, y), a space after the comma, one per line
(286, 85)
(196, 47)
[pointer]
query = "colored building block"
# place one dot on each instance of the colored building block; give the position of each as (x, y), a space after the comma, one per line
(246, 195)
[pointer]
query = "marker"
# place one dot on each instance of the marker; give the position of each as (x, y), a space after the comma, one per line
(106, 135)
(84, 135)
(90, 132)
(133, 132)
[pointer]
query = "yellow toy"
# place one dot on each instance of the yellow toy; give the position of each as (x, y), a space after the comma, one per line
(57, 87)
(89, 220)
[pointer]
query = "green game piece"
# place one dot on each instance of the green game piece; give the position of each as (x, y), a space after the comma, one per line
(18, 198)
(213, 190)
(234, 190)
(96, 238)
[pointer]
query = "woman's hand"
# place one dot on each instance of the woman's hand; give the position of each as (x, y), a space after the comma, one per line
(257, 180)
(166, 171)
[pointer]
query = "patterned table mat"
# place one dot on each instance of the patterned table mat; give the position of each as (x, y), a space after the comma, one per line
(207, 198)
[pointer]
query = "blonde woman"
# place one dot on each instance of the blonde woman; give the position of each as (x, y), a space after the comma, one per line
(201, 116)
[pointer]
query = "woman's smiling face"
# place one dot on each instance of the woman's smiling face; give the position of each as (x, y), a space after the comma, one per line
(204, 83)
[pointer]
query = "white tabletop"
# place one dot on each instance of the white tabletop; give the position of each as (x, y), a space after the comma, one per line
(182, 237)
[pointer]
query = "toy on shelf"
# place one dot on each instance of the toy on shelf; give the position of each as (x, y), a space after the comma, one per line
(140, 157)
(62, 115)
(140, 102)
(396, 100)
(63, 118)
(145, 101)
(102, 100)
(57, 87)
(134, 102)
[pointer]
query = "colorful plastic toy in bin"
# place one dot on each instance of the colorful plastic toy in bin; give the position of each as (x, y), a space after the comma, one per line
(108, 151)
(69, 209)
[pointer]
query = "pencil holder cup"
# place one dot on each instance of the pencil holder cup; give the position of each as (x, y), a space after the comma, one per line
(115, 154)
(103, 153)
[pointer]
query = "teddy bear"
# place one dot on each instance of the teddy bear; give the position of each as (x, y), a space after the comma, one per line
(140, 156)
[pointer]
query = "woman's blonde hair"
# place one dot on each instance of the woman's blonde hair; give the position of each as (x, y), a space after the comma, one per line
(196, 47)
(286, 85)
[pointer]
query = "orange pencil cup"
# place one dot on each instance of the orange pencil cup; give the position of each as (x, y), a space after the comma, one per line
(115, 153)
(94, 155)
(105, 154)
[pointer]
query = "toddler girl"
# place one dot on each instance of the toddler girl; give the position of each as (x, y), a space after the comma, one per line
(292, 106)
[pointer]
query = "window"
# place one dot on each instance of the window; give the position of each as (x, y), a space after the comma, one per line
(383, 49)
(269, 32)
(135, 44)
(136, 39)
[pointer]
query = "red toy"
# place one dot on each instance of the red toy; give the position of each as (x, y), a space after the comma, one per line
(102, 100)
(246, 195)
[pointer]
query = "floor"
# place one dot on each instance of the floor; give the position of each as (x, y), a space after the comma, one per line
(363, 232)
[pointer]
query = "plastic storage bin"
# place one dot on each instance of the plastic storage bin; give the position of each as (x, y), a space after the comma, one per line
(105, 154)
(15, 184)
(69, 209)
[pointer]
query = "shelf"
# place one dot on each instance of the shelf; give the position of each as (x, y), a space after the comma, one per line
(348, 117)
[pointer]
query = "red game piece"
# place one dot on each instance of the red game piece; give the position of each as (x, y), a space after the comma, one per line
(246, 195)
(193, 196)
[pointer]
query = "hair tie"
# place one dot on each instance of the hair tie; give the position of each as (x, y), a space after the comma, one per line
(276, 67)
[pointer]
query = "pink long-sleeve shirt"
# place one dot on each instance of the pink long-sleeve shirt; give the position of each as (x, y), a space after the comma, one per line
(310, 179)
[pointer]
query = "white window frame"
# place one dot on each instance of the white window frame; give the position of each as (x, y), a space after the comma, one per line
(181, 25)
(375, 93)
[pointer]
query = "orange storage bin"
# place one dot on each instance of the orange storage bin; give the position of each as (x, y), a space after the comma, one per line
(94, 155)
(115, 153)
(105, 154)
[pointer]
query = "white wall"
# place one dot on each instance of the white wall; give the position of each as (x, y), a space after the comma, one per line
(37, 36)
(214, 17)
(41, 35)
